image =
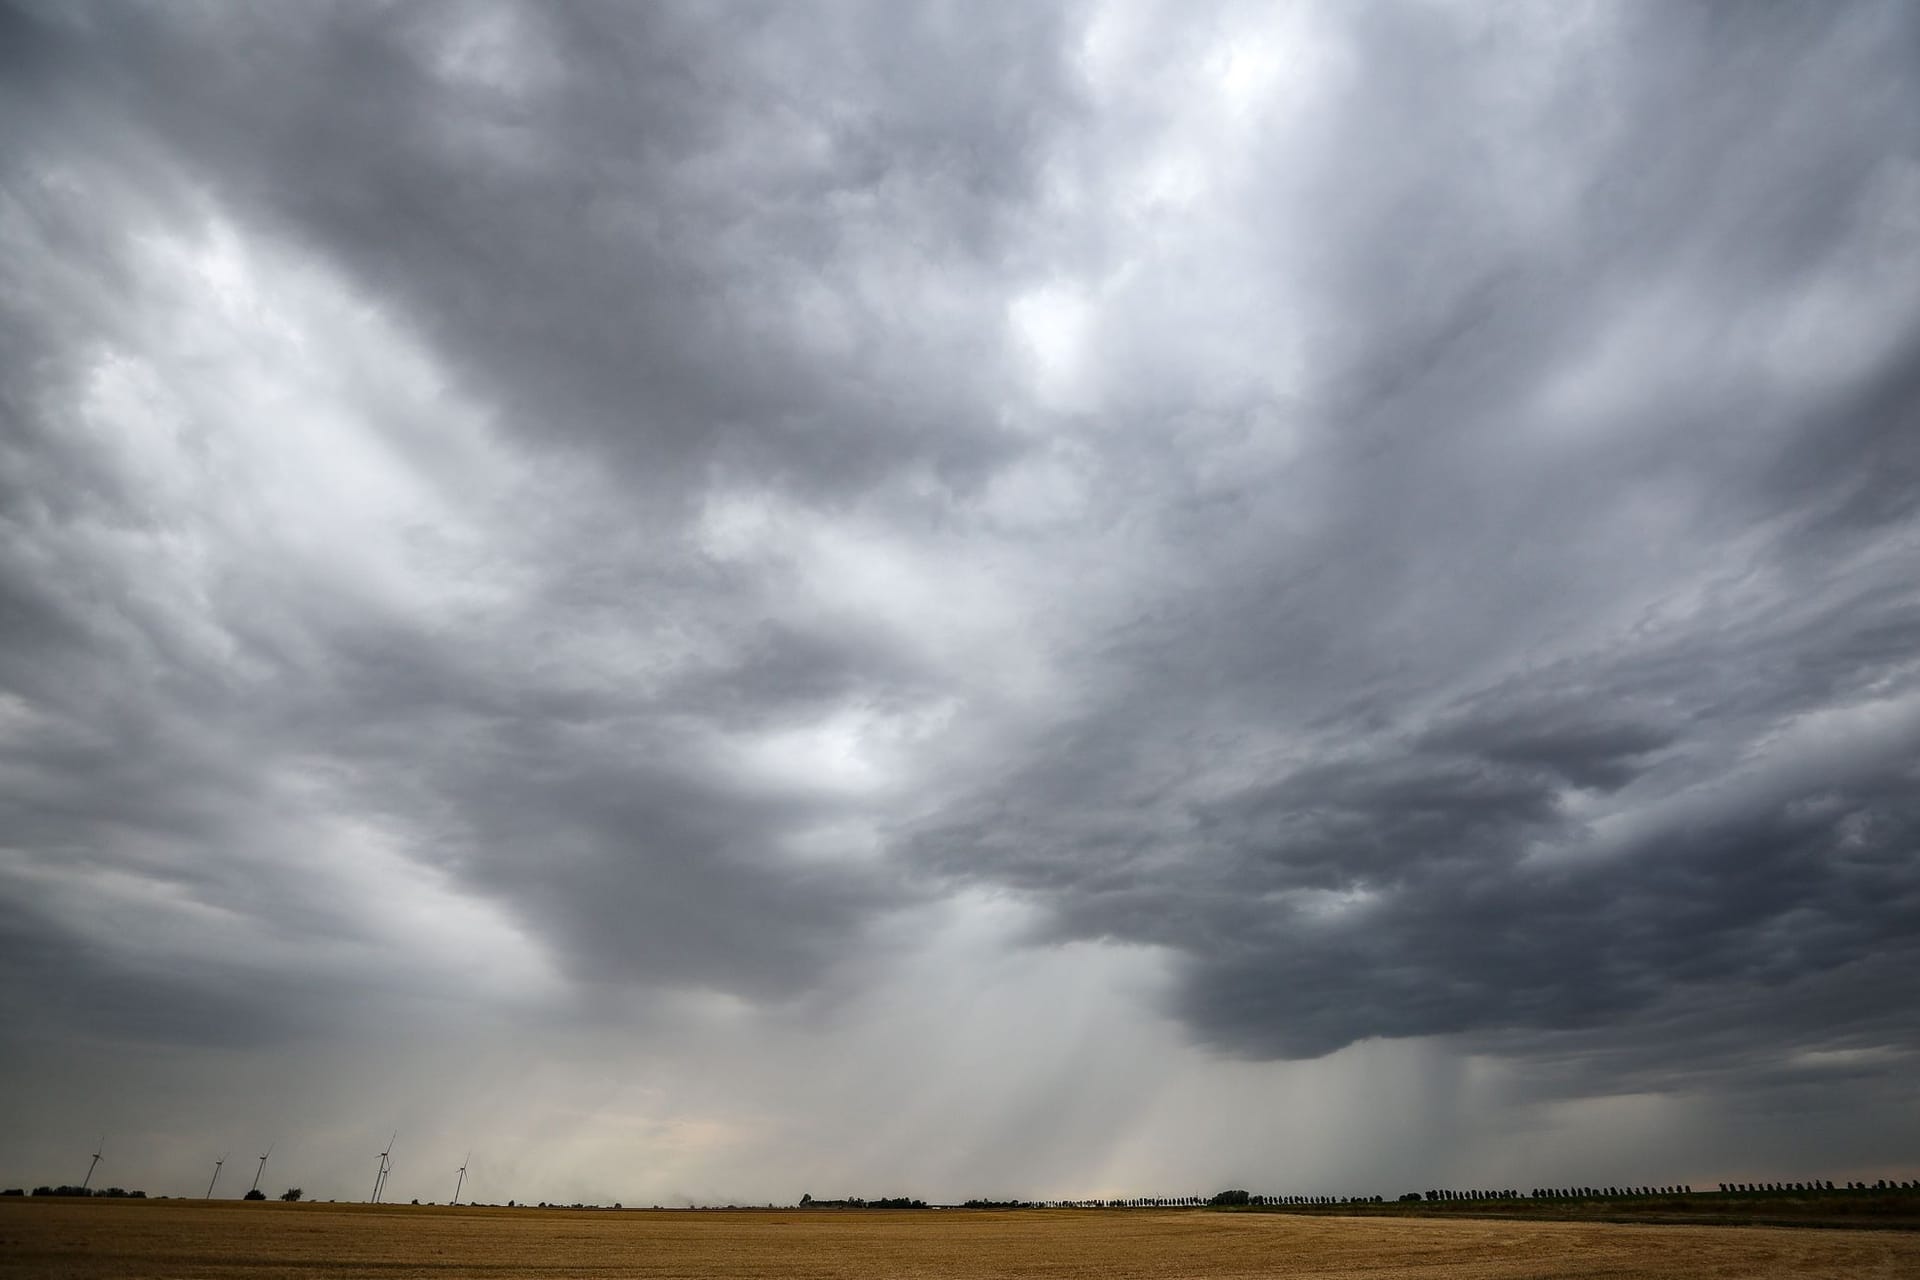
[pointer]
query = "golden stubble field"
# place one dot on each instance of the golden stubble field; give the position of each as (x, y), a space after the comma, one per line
(125, 1239)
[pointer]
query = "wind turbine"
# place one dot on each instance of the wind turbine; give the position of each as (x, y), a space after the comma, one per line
(216, 1175)
(380, 1179)
(97, 1152)
(262, 1169)
(462, 1181)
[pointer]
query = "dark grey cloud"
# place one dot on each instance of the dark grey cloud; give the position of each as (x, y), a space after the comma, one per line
(624, 278)
(1429, 741)
(1405, 516)
(658, 236)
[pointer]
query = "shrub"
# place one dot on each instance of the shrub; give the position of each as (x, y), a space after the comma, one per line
(255, 1194)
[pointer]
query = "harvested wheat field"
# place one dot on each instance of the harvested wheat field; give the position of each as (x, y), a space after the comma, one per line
(281, 1242)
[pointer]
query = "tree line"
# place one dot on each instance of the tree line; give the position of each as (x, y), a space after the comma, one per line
(855, 1202)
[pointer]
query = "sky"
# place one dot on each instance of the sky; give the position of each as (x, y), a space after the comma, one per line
(718, 602)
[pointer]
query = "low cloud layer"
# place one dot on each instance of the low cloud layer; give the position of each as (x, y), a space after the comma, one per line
(1349, 530)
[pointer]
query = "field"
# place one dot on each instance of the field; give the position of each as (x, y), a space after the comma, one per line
(101, 1238)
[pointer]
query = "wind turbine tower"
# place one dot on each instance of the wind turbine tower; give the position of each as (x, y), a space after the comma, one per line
(380, 1179)
(97, 1152)
(262, 1169)
(462, 1180)
(216, 1175)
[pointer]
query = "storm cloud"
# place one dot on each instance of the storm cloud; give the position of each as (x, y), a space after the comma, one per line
(1305, 530)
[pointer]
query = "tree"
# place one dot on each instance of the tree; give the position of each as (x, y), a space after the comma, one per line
(255, 1194)
(291, 1194)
